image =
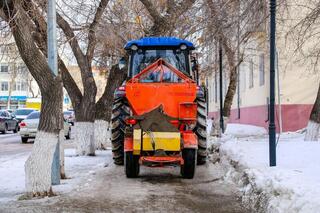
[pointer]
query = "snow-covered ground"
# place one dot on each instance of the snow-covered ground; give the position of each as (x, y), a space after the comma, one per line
(79, 170)
(292, 186)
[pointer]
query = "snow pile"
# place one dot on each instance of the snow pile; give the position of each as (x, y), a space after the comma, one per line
(79, 170)
(292, 186)
(240, 130)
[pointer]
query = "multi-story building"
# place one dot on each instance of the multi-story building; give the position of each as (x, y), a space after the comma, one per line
(16, 83)
(297, 79)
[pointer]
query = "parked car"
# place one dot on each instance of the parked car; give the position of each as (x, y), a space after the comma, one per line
(9, 110)
(22, 113)
(8, 122)
(69, 116)
(29, 127)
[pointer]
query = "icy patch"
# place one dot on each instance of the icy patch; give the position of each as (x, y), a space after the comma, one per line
(292, 186)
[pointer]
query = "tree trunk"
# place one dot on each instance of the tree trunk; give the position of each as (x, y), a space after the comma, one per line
(12, 81)
(102, 133)
(61, 143)
(84, 125)
(230, 92)
(39, 165)
(313, 127)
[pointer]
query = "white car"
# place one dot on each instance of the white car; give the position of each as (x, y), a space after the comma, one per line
(22, 113)
(29, 127)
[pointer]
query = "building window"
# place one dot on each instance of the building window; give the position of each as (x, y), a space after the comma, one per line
(251, 81)
(22, 69)
(4, 68)
(4, 86)
(20, 86)
(261, 69)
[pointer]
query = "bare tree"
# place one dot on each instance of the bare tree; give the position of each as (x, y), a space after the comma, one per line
(231, 25)
(165, 15)
(305, 34)
(38, 167)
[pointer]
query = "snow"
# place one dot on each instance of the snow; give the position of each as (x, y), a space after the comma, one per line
(244, 130)
(292, 186)
(12, 176)
(79, 169)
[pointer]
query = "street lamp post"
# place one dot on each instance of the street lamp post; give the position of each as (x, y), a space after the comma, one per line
(53, 64)
(272, 127)
(220, 88)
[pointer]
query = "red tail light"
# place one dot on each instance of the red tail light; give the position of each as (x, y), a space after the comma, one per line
(131, 121)
(22, 124)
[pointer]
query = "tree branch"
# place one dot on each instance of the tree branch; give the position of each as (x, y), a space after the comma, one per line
(71, 37)
(92, 29)
(40, 36)
(152, 10)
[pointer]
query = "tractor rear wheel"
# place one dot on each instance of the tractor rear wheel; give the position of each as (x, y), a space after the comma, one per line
(132, 167)
(201, 131)
(188, 168)
(120, 112)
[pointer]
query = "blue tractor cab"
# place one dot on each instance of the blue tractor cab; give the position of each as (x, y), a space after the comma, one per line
(146, 51)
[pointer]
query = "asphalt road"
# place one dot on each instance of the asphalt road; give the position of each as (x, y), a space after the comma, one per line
(10, 144)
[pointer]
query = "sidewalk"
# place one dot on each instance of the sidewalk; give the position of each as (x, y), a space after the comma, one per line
(292, 186)
(78, 169)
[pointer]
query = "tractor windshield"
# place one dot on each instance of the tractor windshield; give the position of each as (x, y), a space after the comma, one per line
(144, 57)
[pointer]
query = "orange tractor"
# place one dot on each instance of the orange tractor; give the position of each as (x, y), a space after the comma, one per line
(159, 113)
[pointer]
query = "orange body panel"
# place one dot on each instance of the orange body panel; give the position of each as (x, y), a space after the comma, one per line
(188, 111)
(144, 97)
(128, 144)
(190, 140)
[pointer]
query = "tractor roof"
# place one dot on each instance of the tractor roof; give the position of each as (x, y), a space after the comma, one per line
(159, 41)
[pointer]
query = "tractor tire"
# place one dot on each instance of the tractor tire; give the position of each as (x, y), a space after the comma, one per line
(201, 131)
(132, 167)
(120, 112)
(188, 168)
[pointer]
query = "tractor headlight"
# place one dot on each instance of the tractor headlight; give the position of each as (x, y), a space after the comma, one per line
(183, 47)
(134, 47)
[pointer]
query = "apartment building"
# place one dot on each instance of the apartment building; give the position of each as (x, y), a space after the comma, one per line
(297, 80)
(16, 83)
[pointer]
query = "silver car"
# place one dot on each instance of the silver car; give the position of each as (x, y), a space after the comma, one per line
(29, 127)
(8, 122)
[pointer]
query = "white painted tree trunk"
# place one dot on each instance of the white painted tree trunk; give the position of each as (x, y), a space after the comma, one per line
(102, 134)
(312, 131)
(38, 167)
(61, 143)
(84, 137)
